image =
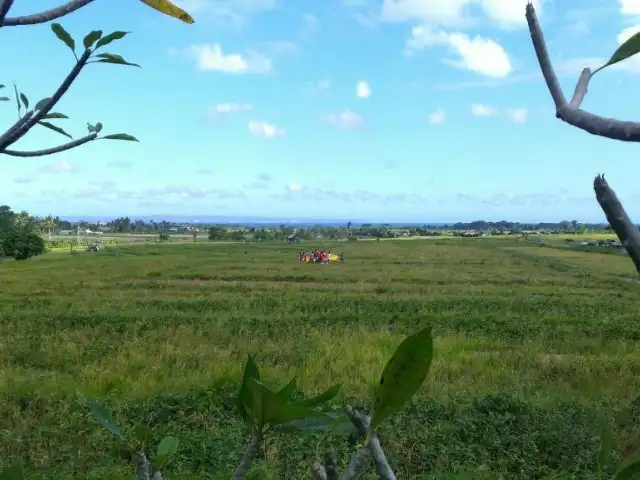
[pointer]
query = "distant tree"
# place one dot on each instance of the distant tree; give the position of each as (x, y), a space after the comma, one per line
(217, 233)
(163, 236)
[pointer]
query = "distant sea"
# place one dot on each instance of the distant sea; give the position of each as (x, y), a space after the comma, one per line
(247, 221)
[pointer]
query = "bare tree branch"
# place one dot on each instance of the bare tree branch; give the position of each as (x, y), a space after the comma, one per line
(46, 16)
(249, 456)
(570, 112)
(16, 133)
(620, 222)
(362, 422)
(5, 6)
(50, 151)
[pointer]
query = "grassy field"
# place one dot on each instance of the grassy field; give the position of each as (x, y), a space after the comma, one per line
(532, 344)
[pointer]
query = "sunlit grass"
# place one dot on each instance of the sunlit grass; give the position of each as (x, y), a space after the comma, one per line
(148, 326)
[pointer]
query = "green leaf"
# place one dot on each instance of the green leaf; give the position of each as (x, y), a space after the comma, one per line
(41, 104)
(119, 136)
(322, 398)
(110, 38)
(403, 375)
(167, 447)
(55, 129)
(4, 99)
(330, 421)
(244, 395)
(25, 100)
(287, 392)
(143, 434)
(629, 470)
(113, 58)
(103, 417)
(63, 35)
(265, 403)
(624, 51)
(98, 127)
(91, 38)
(14, 472)
(1, 86)
(284, 413)
(253, 406)
(605, 449)
(55, 115)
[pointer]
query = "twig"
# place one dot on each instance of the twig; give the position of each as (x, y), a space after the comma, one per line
(249, 456)
(46, 16)
(362, 422)
(14, 134)
(142, 465)
(356, 464)
(50, 151)
(331, 464)
(5, 6)
(570, 112)
(620, 222)
(318, 472)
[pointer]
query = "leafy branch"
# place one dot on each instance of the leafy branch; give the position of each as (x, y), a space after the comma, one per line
(42, 110)
(93, 41)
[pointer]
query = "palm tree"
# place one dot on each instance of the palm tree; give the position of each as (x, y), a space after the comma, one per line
(48, 224)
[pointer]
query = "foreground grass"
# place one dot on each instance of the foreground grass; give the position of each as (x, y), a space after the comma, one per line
(530, 344)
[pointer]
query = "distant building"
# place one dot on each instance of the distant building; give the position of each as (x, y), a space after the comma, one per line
(293, 238)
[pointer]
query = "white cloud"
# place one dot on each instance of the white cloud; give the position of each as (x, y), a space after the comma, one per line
(363, 90)
(323, 85)
(234, 12)
(480, 110)
(226, 109)
(121, 164)
(211, 57)
(60, 166)
(630, 7)
(345, 120)
(265, 130)
(309, 25)
(478, 54)
(458, 13)
(518, 115)
(295, 187)
(437, 118)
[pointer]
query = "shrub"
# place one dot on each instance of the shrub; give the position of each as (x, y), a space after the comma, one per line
(22, 245)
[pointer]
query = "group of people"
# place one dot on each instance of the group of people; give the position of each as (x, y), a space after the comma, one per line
(319, 256)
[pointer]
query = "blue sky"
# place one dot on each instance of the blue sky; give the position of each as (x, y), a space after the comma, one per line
(416, 110)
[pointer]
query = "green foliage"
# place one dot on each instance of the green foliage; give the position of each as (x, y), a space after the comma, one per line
(107, 39)
(263, 408)
(628, 49)
(120, 136)
(403, 375)
(217, 233)
(14, 472)
(63, 36)
(103, 417)
(22, 244)
(55, 128)
(113, 58)
(91, 38)
(163, 236)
